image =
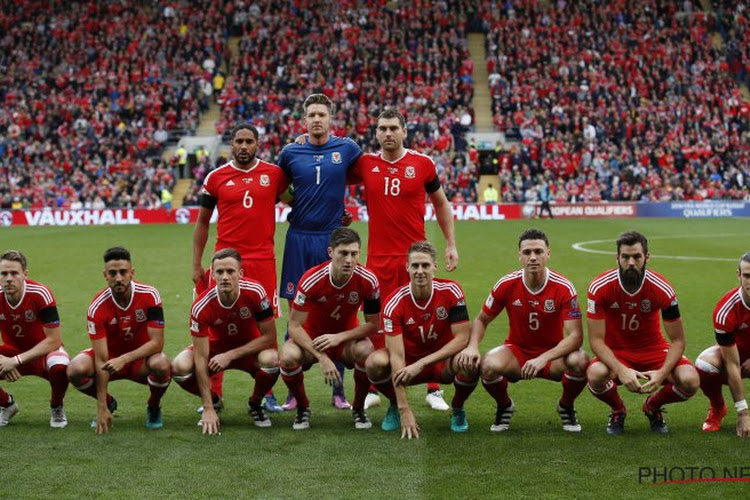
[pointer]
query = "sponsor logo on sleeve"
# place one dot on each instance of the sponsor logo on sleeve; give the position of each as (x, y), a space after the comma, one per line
(195, 327)
(388, 325)
(92, 328)
(265, 303)
(490, 301)
(300, 298)
(591, 307)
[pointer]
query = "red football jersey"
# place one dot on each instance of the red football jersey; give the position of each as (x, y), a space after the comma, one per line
(22, 326)
(246, 201)
(228, 327)
(125, 329)
(732, 315)
(425, 327)
(333, 309)
(395, 193)
(535, 318)
(632, 320)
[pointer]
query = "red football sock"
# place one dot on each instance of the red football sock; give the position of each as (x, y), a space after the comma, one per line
(432, 386)
(4, 397)
(264, 380)
(157, 386)
(667, 394)
(573, 384)
(711, 385)
(190, 384)
(217, 383)
(294, 378)
(464, 388)
(498, 389)
(58, 381)
(610, 396)
(361, 386)
(386, 389)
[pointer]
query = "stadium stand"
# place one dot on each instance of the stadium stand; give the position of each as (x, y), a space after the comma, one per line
(91, 92)
(615, 101)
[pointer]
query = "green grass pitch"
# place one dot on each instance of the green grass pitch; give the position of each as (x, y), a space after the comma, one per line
(534, 459)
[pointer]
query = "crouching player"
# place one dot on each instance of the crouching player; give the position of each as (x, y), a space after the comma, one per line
(126, 327)
(323, 325)
(728, 362)
(32, 343)
(624, 305)
(540, 304)
(232, 327)
(426, 324)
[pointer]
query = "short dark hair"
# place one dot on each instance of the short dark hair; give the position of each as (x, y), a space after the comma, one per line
(392, 113)
(15, 256)
(227, 252)
(533, 234)
(422, 247)
(630, 238)
(344, 236)
(318, 99)
(244, 126)
(744, 258)
(116, 253)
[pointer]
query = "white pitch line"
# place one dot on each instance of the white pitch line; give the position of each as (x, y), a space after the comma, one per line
(581, 248)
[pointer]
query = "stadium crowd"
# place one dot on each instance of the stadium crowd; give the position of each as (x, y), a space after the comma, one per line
(90, 92)
(608, 100)
(615, 101)
(412, 56)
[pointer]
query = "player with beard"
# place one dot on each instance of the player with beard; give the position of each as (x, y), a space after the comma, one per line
(623, 311)
(244, 191)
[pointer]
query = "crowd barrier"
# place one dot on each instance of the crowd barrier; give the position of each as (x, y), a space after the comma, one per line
(461, 211)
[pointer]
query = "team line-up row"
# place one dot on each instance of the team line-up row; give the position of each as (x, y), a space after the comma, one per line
(421, 334)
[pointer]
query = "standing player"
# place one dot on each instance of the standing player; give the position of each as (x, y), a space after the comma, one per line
(540, 304)
(426, 324)
(232, 327)
(245, 191)
(317, 170)
(32, 343)
(126, 327)
(396, 180)
(623, 309)
(728, 362)
(323, 325)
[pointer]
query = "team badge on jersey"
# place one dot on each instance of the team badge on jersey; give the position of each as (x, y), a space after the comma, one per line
(29, 314)
(335, 157)
(353, 298)
(549, 305)
(244, 312)
(441, 313)
(645, 305)
(140, 315)
(409, 173)
(265, 180)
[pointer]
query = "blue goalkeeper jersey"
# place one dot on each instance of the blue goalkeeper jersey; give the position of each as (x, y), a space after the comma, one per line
(318, 177)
